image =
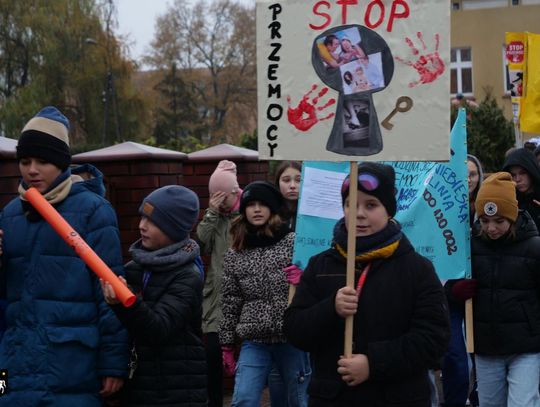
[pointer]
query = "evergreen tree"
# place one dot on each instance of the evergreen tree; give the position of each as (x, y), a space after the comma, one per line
(249, 140)
(180, 117)
(489, 133)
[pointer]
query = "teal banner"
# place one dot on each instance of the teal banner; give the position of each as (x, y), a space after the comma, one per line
(433, 207)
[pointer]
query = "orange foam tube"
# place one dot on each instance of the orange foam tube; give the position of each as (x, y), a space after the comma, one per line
(85, 252)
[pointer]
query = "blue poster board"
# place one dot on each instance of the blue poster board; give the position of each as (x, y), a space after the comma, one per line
(433, 207)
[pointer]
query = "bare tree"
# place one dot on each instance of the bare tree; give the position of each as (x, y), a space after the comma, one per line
(213, 44)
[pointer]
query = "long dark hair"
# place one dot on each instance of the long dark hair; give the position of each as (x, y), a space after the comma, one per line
(240, 228)
(290, 207)
(297, 165)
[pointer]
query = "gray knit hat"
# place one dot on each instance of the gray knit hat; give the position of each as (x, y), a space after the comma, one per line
(174, 209)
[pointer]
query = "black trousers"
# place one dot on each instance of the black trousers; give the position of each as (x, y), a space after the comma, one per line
(214, 364)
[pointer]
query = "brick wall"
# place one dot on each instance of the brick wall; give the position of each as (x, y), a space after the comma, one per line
(9, 180)
(197, 175)
(129, 181)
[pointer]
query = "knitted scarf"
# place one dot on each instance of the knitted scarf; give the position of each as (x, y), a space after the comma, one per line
(57, 192)
(167, 258)
(379, 245)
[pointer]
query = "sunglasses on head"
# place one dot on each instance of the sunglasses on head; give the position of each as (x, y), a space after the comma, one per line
(368, 182)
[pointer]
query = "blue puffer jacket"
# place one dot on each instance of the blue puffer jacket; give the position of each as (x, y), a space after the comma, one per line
(61, 337)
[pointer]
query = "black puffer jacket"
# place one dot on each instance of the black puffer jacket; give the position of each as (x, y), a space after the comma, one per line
(525, 159)
(166, 327)
(401, 325)
(507, 303)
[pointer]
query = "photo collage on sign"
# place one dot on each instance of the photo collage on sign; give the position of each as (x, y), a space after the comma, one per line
(359, 70)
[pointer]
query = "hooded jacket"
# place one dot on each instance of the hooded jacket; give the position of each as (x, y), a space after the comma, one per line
(525, 159)
(213, 235)
(401, 325)
(507, 302)
(61, 336)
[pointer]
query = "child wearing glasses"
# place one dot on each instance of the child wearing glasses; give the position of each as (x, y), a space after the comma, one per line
(401, 326)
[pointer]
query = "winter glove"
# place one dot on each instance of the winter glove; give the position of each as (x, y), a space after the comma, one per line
(293, 274)
(464, 289)
(229, 363)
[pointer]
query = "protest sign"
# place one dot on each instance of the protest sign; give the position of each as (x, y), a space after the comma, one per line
(522, 50)
(353, 80)
(433, 207)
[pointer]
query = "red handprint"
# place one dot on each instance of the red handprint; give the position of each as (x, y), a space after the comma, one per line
(429, 66)
(304, 116)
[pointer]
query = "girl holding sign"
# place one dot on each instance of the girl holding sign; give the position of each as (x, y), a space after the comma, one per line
(401, 326)
(505, 286)
(255, 291)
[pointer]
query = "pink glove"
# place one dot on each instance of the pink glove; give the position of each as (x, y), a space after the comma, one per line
(229, 364)
(293, 274)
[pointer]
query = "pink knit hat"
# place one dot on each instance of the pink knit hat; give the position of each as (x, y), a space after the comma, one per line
(224, 178)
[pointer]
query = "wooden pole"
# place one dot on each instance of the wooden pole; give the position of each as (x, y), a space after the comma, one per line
(469, 330)
(351, 251)
(292, 291)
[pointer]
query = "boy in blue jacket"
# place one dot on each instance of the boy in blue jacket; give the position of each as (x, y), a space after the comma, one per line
(62, 346)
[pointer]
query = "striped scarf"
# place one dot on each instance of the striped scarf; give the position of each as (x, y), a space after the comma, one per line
(379, 245)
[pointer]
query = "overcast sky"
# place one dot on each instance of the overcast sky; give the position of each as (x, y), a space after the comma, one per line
(136, 18)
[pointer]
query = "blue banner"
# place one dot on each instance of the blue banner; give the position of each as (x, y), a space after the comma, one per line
(433, 207)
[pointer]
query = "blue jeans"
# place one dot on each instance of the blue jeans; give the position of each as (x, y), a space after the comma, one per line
(254, 364)
(433, 388)
(510, 381)
(276, 387)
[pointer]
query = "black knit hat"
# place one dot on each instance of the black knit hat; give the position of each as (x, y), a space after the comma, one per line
(377, 180)
(45, 136)
(264, 192)
(174, 209)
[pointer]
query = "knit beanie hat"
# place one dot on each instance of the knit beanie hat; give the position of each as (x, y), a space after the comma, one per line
(377, 180)
(174, 209)
(264, 192)
(46, 136)
(497, 196)
(223, 178)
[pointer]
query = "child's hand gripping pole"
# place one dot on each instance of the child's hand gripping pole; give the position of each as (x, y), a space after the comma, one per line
(85, 252)
(351, 254)
(293, 273)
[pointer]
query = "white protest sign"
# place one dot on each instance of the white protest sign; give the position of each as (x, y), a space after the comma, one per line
(343, 80)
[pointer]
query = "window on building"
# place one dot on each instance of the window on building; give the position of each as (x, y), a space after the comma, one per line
(515, 2)
(481, 4)
(455, 5)
(461, 71)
